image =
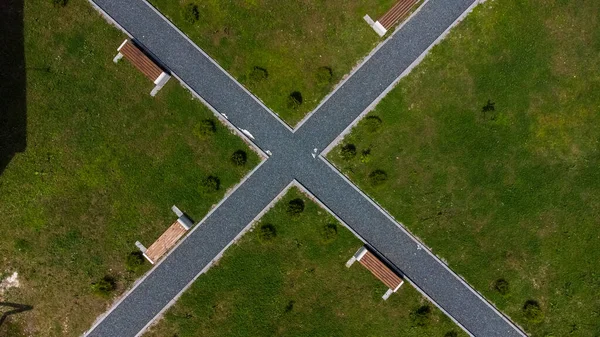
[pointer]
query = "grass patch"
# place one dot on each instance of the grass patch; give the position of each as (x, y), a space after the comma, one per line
(297, 285)
(104, 163)
(491, 150)
(276, 48)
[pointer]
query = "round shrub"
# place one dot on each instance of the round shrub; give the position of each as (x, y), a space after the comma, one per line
(324, 76)
(372, 123)
(211, 184)
(329, 232)
(258, 74)
(239, 158)
(294, 100)
(451, 334)
(348, 151)
(206, 127)
(105, 286)
(378, 177)
(421, 316)
(501, 286)
(295, 207)
(267, 232)
(365, 156)
(191, 13)
(134, 261)
(533, 312)
(59, 3)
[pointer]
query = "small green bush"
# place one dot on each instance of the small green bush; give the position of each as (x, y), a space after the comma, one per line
(294, 100)
(134, 261)
(372, 123)
(421, 316)
(239, 158)
(105, 286)
(211, 184)
(501, 286)
(365, 156)
(295, 207)
(290, 306)
(329, 232)
(267, 232)
(60, 3)
(324, 76)
(451, 334)
(348, 151)
(206, 127)
(377, 177)
(533, 312)
(191, 13)
(258, 74)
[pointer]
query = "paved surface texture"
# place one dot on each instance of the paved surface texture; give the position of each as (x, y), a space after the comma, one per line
(294, 158)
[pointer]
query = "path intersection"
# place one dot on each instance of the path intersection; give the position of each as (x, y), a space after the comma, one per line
(295, 157)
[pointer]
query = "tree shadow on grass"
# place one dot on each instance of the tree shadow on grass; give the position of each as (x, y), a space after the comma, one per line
(17, 308)
(13, 114)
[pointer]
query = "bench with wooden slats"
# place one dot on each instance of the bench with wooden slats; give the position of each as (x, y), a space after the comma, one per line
(143, 63)
(391, 17)
(397, 12)
(392, 280)
(168, 239)
(165, 242)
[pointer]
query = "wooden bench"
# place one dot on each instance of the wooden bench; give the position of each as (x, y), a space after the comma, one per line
(370, 261)
(143, 63)
(168, 239)
(391, 17)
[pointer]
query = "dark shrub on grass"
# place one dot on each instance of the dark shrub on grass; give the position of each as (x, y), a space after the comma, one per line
(134, 261)
(258, 74)
(348, 151)
(59, 3)
(191, 13)
(501, 286)
(533, 312)
(294, 100)
(211, 184)
(206, 127)
(295, 207)
(329, 232)
(373, 123)
(451, 334)
(421, 316)
(324, 76)
(290, 306)
(377, 177)
(105, 286)
(239, 158)
(267, 232)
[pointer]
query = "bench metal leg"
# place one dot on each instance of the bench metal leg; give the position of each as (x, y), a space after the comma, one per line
(387, 294)
(350, 262)
(140, 246)
(118, 57)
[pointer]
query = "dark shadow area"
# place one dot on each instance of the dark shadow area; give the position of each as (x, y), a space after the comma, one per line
(13, 113)
(17, 308)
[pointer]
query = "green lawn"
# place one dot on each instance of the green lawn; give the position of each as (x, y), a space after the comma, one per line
(293, 41)
(296, 284)
(511, 192)
(103, 165)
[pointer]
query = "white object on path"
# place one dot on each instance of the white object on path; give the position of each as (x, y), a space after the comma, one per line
(247, 133)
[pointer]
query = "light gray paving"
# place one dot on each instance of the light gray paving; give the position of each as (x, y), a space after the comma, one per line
(292, 159)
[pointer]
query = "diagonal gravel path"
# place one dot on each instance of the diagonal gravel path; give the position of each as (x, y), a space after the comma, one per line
(296, 157)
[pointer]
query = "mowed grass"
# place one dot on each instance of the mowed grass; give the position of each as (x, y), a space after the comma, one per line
(511, 192)
(291, 40)
(103, 165)
(296, 284)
